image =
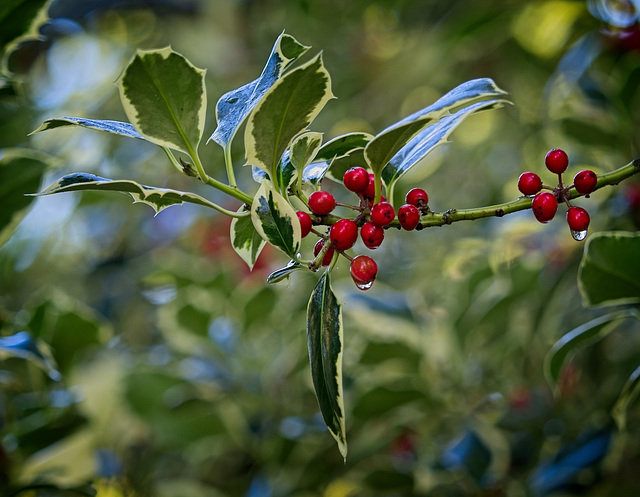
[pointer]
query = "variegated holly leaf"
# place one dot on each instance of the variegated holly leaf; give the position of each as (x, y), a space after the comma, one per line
(297, 157)
(157, 198)
(324, 339)
(245, 240)
(429, 138)
(338, 155)
(164, 97)
(116, 127)
(386, 144)
(275, 220)
(234, 107)
(284, 112)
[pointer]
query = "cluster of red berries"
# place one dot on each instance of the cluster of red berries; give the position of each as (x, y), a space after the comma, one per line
(545, 204)
(370, 222)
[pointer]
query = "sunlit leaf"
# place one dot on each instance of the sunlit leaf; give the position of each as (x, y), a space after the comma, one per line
(609, 272)
(585, 334)
(234, 107)
(164, 97)
(245, 240)
(429, 138)
(386, 144)
(627, 397)
(116, 127)
(157, 198)
(284, 112)
(23, 345)
(275, 220)
(19, 174)
(324, 338)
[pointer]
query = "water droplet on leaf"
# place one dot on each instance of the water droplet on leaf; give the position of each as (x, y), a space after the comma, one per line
(579, 235)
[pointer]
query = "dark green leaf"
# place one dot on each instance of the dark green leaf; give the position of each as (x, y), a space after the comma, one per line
(116, 127)
(284, 112)
(609, 272)
(16, 17)
(234, 107)
(585, 334)
(245, 240)
(334, 169)
(157, 198)
(324, 338)
(164, 97)
(19, 175)
(275, 220)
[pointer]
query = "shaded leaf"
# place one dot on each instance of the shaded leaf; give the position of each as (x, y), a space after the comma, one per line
(157, 198)
(116, 127)
(335, 169)
(16, 17)
(164, 97)
(585, 334)
(245, 240)
(23, 345)
(275, 220)
(609, 272)
(324, 339)
(284, 112)
(234, 107)
(19, 175)
(627, 397)
(386, 144)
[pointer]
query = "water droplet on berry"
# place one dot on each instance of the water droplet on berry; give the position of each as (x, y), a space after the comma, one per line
(364, 286)
(579, 235)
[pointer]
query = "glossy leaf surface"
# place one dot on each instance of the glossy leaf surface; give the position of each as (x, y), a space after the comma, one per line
(325, 337)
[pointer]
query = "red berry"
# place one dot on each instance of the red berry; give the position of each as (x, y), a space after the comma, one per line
(556, 161)
(578, 219)
(326, 260)
(305, 222)
(417, 197)
(363, 271)
(409, 216)
(529, 183)
(585, 181)
(382, 213)
(343, 234)
(321, 203)
(544, 206)
(372, 235)
(356, 179)
(370, 190)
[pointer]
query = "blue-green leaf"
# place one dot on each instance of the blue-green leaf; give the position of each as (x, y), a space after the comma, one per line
(164, 97)
(282, 274)
(275, 220)
(116, 127)
(609, 272)
(585, 334)
(157, 198)
(245, 240)
(234, 107)
(386, 144)
(324, 338)
(23, 345)
(429, 138)
(284, 112)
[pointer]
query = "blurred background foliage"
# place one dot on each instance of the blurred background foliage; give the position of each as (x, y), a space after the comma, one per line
(141, 358)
